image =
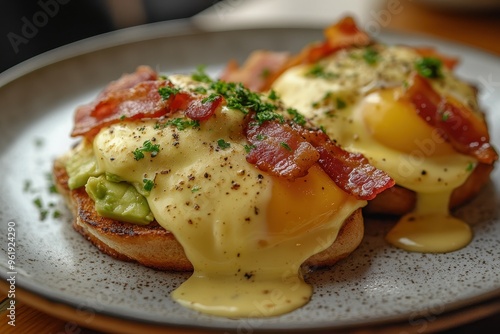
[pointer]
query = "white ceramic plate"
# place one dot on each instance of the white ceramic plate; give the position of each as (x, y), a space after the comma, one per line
(377, 284)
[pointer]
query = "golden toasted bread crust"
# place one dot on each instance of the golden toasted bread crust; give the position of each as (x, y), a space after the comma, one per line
(398, 200)
(153, 246)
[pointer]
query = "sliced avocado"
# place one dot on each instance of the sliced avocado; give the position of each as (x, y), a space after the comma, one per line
(113, 177)
(81, 165)
(118, 201)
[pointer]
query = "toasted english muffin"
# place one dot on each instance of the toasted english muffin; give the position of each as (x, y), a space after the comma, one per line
(189, 173)
(397, 201)
(153, 246)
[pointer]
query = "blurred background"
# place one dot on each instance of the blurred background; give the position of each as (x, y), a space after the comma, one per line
(31, 27)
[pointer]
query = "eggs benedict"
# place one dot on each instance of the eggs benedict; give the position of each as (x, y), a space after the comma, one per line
(405, 110)
(189, 173)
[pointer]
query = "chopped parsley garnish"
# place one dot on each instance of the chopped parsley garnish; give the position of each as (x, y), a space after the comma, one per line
(166, 92)
(122, 117)
(41, 210)
(240, 98)
(147, 146)
(268, 115)
(180, 123)
(445, 116)
(429, 67)
(223, 144)
(329, 100)
(200, 90)
(297, 117)
(248, 148)
(341, 104)
(53, 189)
(272, 95)
(371, 56)
(138, 155)
(200, 75)
(470, 167)
(210, 98)
(285, 146)
(318, 71)
(195, 189)
(27, 185)
(38, 202)
(148, 184)
(265, 73)
(39, 142)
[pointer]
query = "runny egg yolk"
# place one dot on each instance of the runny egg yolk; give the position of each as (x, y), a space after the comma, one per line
(429, 228)
(387, 130)
(390, 121)
(245, 232)
(302, 218)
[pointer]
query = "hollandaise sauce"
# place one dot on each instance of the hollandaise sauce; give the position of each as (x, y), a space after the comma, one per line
(245, 232)
(359, 105)
(430, 228)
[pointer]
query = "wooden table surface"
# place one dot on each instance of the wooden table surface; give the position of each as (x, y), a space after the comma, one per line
(481, 30)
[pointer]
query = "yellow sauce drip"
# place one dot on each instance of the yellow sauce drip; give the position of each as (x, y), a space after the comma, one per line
(430, 228)
(376, 122)
(266, 280)
(235, 297)
(245, 232)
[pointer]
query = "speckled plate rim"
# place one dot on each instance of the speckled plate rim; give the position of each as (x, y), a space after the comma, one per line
(109, 323)
(456, 315)
(40, 297)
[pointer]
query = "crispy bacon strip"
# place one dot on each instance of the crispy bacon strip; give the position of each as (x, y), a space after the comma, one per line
(288, 150)
(456, 123)
(256, 69)
(350, 171)
(140, 101)
(142, 73)
(282, 149)
(135, 96)
(279, 149)
(341, 35)
(199, 110)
